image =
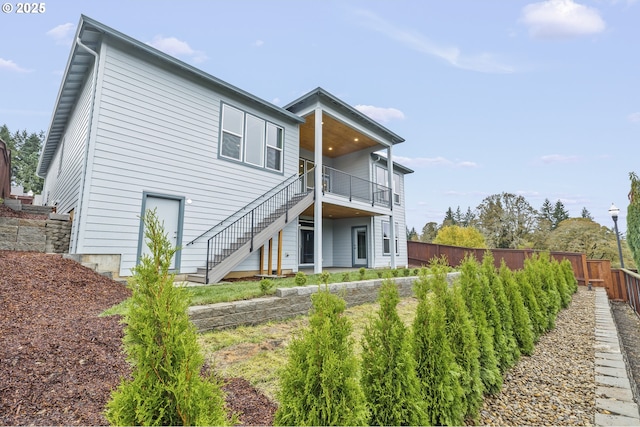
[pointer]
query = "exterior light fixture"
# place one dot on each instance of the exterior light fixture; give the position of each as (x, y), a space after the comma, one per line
(614, 211)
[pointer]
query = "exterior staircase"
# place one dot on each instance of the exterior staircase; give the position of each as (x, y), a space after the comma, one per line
(250, 228)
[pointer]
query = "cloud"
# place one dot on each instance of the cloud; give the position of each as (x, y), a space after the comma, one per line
(174, 47)
(258, 43)
(434, 161)
(559, 158)
(561, 19)
(380, 114)
(62, 34)
(481, 62)
(9, 65)
(634, 117)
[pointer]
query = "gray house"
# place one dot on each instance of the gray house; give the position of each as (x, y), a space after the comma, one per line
(243, 186)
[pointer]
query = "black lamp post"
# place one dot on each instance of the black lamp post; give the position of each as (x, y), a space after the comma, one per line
(614, 211)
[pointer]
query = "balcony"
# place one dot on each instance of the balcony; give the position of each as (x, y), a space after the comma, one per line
(353, 188)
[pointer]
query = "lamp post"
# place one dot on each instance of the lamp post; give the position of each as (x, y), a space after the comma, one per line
(614, 211)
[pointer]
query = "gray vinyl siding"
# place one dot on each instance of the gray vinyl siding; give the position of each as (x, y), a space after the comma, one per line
(382, 260)
(64, 186)
(357, 164)
(343, 240)
(158, 132)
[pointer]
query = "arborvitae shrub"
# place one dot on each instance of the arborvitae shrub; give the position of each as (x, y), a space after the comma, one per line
(537, 317)
(522, 328)
(561, 284)
(325, 276)
(569, 275)
(506, 347)
(362, 271)
(437, 370)
(346, 277)
(319, 383)
(165, 387)
(472, 291)
(266, 285)
(389, 379)
(533, 273)
(550, 286)
(464, 343)
(301, 278)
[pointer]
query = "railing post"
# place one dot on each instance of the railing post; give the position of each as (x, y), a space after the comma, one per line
(252, 228)
(350, 188)
(206, 274)
(286, 213)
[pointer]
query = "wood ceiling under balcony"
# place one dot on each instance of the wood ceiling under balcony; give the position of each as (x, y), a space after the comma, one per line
(338, 139)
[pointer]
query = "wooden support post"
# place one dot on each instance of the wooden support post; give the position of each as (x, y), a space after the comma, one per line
(279, 268)
(261, 260)
(270, 256)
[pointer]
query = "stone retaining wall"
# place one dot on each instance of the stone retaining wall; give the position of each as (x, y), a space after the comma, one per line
(35, 235)
(289, 302)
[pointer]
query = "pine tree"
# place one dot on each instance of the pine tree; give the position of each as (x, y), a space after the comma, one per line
(389, 379)
(586, 214)
(438, 373)
(161, 345)
(319, 384)
(522, 327)
(509, 353)
(559, 214)
(472, 291)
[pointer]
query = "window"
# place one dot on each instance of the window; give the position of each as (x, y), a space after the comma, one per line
(274, 147)
(386, 238)
(381, 179)
(250, 139)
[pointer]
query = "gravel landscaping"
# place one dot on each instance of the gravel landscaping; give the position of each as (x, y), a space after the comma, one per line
(59, 360)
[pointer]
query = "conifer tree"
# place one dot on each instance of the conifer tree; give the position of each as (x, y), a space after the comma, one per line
(472, 291)
(436, 368)
(160, 342)
(569, 275)
(522, 327)
(633, 218)
(389, 379)
(561, 284)
(510, 352)
(464, 343)
(537, 317)
(319, 384)
(533, 273)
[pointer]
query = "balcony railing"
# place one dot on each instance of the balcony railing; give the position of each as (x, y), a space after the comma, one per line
(354, 188)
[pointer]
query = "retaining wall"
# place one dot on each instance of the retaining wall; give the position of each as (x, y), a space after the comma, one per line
(35, 235)
(289, 302)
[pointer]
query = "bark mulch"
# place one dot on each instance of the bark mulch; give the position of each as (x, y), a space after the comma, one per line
(58, 359)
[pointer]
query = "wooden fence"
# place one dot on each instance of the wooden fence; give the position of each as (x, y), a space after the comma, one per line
(421, 253)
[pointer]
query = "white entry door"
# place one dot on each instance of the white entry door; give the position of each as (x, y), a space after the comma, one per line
(168, 211)
(359, 240)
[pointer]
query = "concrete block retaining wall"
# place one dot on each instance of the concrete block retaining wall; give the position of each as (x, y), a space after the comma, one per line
(289, 302)
(35, 235)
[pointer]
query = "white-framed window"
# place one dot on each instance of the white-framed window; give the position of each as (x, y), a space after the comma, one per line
(250, 139)
(274, 147)
(381, 179)
(386, 238)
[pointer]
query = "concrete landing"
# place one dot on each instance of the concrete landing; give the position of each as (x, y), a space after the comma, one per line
(614, 400)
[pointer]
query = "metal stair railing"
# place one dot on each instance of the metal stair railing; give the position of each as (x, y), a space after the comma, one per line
(242, 211)
(236, 234)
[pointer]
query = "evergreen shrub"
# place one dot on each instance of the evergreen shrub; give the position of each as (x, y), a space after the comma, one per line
(165, 387)
(319, 384)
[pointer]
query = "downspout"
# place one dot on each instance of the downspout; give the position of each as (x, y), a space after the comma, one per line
(88, 139)
(392, 226)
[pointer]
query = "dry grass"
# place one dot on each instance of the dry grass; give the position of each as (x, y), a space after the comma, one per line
(256, 353)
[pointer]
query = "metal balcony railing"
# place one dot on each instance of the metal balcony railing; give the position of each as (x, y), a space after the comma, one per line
(354, 188)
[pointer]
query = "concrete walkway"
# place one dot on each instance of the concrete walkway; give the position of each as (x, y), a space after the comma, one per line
(614, 400)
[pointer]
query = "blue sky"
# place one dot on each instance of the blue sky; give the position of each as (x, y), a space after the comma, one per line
(536, 98)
